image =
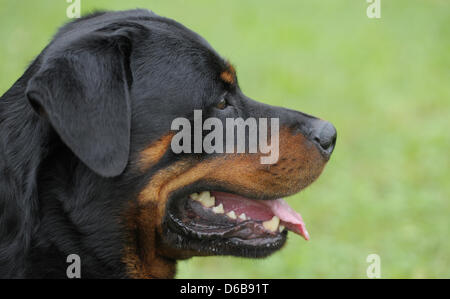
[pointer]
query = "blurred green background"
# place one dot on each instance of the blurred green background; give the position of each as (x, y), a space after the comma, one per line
(384, 83)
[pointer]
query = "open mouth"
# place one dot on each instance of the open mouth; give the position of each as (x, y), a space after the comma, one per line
(214, 222)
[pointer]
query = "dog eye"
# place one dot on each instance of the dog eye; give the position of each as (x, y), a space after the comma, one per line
(222, 104)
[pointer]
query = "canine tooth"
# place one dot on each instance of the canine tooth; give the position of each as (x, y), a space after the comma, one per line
(232, 215)
(206, 199)
(205, 193)
(218, 209)
(272, 224)
(194, 196)
(242, 216)
(281, 228)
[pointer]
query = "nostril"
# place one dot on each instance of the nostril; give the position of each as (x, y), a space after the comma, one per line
(317, 140)
(325, 137)
(325, 145)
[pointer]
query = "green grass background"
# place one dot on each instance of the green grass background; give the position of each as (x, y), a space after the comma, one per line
(384, 84)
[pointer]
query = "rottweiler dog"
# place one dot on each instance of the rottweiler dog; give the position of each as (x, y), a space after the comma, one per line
(87, 166)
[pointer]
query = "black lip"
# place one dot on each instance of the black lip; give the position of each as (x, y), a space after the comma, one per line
(203, 185)
(221, 227)
(216, 235)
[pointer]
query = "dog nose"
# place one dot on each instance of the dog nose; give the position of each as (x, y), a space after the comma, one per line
(324, 134)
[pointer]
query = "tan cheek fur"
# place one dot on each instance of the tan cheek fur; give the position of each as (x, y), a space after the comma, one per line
(299, 164)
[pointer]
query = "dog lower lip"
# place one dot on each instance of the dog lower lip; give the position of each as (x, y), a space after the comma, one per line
(248, 230)
(188, 225)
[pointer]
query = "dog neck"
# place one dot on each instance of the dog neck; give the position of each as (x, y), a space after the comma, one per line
(21, 148)
(141, 257)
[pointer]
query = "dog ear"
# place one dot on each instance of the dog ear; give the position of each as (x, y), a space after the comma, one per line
(83, 89)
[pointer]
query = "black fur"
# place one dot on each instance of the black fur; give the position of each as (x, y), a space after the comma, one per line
(67, 171)
(72, 127)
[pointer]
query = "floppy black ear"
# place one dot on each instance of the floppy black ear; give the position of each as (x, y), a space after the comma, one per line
(82, 87)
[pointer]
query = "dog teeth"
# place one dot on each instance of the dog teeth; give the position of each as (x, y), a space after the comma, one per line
(232, 215)
(272, 224)
(219, 209)
(194, 196)
(281, 228)
(204, 198)
(242, 216)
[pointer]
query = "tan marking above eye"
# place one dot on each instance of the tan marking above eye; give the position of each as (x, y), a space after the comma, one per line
(229, 74)
(227, 77)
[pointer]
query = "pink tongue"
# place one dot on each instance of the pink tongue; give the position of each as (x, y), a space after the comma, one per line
(263, 210)
(292, 220)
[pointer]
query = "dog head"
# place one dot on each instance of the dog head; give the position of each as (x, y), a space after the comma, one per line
(112, 86)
